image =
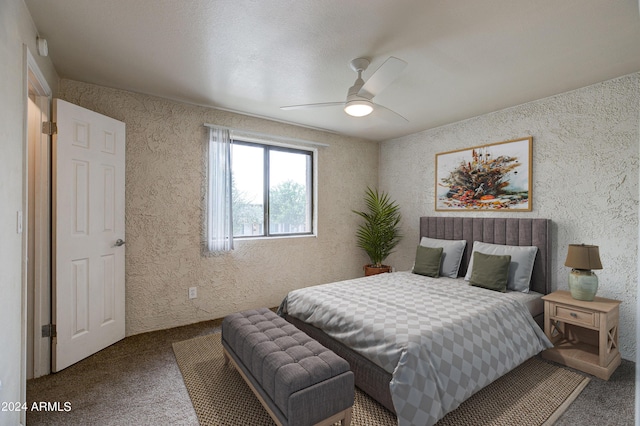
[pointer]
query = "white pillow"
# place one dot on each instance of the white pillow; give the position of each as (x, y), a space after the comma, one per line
(520, 268)
(451, 254)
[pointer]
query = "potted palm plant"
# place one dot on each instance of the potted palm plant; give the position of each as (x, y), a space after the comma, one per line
(379, 234)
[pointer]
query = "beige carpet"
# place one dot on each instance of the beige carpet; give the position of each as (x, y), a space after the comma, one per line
(536, 393)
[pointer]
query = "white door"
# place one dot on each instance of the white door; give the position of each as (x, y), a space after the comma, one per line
(88, 213)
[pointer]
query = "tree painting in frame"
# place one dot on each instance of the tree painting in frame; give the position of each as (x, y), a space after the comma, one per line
(493, 177)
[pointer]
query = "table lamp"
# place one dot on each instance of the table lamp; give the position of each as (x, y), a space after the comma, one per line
(582, 258)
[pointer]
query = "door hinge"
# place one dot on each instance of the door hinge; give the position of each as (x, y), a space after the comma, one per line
(49, 128)
(49, 330)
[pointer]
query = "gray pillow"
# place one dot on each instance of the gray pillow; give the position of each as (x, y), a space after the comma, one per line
(490, 271)
(452, 251)
(520, 269)
(428, 261)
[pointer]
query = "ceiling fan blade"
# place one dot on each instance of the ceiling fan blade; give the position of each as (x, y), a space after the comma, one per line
(388, 114)
(382, 77)
(306, 106)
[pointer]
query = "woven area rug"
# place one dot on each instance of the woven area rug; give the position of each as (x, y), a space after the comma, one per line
(536, 393)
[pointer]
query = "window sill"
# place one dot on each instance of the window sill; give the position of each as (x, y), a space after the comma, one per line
(241, 241)
(272, 237)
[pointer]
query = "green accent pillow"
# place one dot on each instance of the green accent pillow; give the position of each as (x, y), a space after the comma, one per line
(428, 261)
(490, 271)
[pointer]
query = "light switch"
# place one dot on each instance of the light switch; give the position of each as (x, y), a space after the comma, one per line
(19, 224)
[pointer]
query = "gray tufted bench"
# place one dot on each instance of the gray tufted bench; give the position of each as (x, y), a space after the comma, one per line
(297, 380)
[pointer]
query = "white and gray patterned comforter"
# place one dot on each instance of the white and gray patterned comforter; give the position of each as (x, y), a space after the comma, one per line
(441, 339)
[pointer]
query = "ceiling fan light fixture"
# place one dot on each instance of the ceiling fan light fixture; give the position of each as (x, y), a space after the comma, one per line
(358, 108)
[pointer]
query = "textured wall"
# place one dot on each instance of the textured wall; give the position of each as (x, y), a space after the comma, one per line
(585, 179)
(165, 174)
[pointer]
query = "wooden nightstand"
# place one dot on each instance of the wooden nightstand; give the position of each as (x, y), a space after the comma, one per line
(584, 334)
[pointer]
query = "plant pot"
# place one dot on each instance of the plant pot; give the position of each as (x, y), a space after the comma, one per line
(374, 270)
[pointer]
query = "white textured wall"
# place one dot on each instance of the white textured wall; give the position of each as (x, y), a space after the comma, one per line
(585, 179)
(16, 31)
(164, 214)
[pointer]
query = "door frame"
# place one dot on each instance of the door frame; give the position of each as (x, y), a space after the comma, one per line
(35, 82)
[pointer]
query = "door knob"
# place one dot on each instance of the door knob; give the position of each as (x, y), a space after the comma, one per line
(119, 242)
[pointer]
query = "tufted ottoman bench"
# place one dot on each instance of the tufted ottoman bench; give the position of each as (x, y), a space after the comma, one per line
(298, 381)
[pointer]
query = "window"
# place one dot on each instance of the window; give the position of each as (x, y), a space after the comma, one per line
(272, 190)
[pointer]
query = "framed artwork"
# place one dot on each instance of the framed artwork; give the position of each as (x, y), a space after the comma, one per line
(492, 177)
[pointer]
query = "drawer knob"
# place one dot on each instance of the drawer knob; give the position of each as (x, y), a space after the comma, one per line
(573, 314)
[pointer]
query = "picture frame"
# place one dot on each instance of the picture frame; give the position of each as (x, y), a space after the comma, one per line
(492, 177)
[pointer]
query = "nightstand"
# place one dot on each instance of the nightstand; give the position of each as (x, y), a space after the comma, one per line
(584, 334)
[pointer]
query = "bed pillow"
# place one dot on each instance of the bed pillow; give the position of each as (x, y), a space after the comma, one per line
(490, 271)
(428, 261)
(451, 254)
(520, 269)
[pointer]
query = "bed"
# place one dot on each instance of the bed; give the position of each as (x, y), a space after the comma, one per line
(410, 352)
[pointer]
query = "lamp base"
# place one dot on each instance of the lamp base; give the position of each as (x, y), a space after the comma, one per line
(583, 284)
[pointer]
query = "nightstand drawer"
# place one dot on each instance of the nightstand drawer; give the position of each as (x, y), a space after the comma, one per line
(575, 316)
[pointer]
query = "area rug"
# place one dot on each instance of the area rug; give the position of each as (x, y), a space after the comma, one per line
(536, 393)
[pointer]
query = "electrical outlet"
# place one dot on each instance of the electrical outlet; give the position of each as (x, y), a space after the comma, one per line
(193, 292)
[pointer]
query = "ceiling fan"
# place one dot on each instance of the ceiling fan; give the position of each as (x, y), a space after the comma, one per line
(359, 102)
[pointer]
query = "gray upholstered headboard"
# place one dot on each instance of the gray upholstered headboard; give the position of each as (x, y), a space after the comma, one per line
(508, 231)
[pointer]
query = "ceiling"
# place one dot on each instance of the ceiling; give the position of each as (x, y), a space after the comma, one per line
(465, 58)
